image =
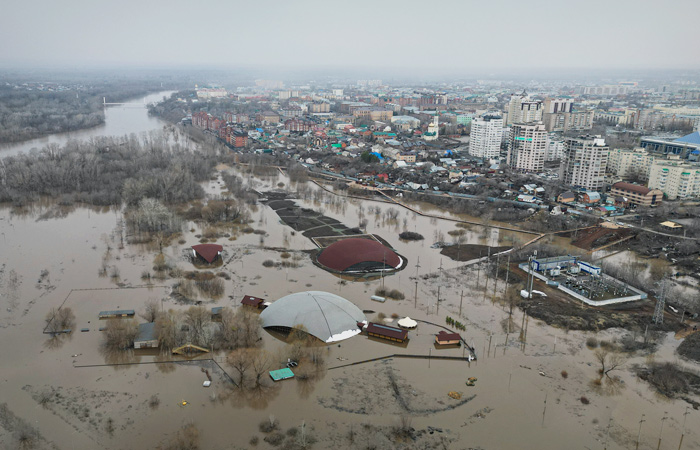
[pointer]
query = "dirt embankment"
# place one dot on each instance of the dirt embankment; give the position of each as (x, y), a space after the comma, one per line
(690, 347)
(468, 252)
(598, 237)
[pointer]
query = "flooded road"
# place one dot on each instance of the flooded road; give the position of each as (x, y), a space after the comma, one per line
(53, 256)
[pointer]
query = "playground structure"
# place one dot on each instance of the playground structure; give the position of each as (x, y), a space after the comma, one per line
(189, 350)
(582, 280)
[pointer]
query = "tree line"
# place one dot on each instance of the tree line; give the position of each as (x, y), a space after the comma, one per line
(27, 114)
(107, 171)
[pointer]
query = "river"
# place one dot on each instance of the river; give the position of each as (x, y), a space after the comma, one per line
(120, 120)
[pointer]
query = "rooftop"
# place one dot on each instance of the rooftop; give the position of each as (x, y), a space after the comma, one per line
(621, 185)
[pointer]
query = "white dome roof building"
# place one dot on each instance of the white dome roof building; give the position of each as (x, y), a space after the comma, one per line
(326, 316)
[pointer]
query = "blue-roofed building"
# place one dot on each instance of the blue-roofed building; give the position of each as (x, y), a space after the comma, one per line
(692, 138)
(684, 146)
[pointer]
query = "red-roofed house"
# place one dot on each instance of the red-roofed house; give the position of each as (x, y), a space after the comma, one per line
(207, 252)
(255, 302)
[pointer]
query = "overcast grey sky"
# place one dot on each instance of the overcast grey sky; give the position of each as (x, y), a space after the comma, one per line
(449, 34)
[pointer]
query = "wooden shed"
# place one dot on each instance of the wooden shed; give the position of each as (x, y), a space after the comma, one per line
(445, 338)
(386, 332)
(255, 302)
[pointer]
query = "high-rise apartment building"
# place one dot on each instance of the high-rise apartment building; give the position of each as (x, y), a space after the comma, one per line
(485, 138)
(557, 105)
(527, 147)
(583, 163)
(523, 110)
(675, 178)
(629, 163)
(555, 147)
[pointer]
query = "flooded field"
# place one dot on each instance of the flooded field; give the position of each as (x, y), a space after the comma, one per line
(535, 394)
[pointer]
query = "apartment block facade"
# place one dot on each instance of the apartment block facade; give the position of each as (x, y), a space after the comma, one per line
(626, 163)
(584, 161)
(486, 135)
(675, 179)
(527, 148)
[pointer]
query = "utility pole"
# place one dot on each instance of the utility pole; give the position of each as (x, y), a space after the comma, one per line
(478, 271)
(438, 302)
(495, 279)
(685, 416)
(415, 299)
(507, 271)
(607, 434)
(488, 262)
(461, 297)
(658, 317)
(639, 434)
(532, 274)
(658, 447)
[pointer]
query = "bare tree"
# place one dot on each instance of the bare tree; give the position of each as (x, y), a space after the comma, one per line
(59, 319)
(151, 310)
(241, 360)
(119, 334)
(260, 363)
(248, 324)
(608, 361)
(197, 318)
(168, 330)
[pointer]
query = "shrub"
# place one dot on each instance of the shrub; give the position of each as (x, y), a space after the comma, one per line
(395, 294)
(268, 426)
(213, 287)
(254, 440)
(564, 374)
(606, 345)
(411, 236)
(584, 400)
(591, 343)
(274, 439)
(285, 255)
(268, 263)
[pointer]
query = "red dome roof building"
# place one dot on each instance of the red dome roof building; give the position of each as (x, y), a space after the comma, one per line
(354, 255)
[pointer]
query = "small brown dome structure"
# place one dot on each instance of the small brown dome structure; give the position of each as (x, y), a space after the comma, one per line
(358, 255)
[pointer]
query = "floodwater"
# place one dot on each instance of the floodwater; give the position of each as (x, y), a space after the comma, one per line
(515, 407)
(120, 120)
(52, 256)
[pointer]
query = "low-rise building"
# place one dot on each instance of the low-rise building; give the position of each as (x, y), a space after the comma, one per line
(147, 336)
(636, 194)
(386, 332)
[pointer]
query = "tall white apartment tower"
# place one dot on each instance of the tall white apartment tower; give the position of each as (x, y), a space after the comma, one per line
(486, 135)
(527, 147)
(523, 110)
(583, 163)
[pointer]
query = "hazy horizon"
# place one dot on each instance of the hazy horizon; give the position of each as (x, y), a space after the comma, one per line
(390, 36)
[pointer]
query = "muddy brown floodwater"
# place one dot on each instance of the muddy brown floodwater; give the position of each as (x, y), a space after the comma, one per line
(70, 390)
